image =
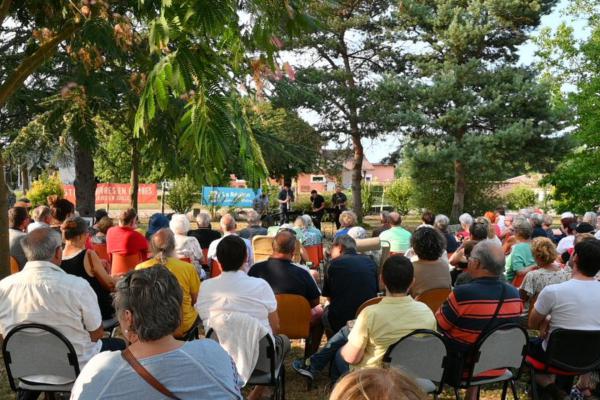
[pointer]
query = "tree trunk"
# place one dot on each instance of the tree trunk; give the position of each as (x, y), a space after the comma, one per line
(25, 177)
(357, 162)
(459, 190)
(135, 172)
(4, 246)
(85, 182)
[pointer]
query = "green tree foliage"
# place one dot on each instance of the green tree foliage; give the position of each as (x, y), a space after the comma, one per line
(399, 194)
(520, 197)
(182, 195)
(337, 70)
(464, 94)
(44, 187)
(368, 197)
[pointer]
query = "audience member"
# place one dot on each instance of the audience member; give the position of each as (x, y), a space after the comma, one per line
(254, 227)
(427, 219)
(338, 202)
(500, 220)
(285, 277)
(156, 222)
(398, 237)
(229, 226)
(124, 239)
(547, 226)
(23, 202)
(481, 226)
(537, 221)
(364, 343)
(441, 223)
(377, 384)
(569, 305)
(102, 228)
(41, 218)
(549, 272)
(347, 220)
(186, 247)
(477, 307)
(78, 261)
(60, 209)
(163, 250)
(491, 217)
(318, 208)
(591, 218)
(98, 215)
(384, 218)
(465, 221)
(431, 270)
(53, 297)
(310, 234)
(520, 260)
(204, 234)
(351, 279)
(18, 220)
(148, 304)
(568, 223)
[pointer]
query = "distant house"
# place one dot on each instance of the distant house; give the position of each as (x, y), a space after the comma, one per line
(322, 182)
(530, 181)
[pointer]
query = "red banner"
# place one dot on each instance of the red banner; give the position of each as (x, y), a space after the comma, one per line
(117, 193)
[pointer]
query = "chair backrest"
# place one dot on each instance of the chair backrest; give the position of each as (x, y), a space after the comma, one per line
(385, 252)
(205, 254)
(434, 298)
(14, 265)
(215, 268)
(420, 353)
(297, 257)
(266, 354)
(368, 303)
(313, 254)
(123, 263)
(36, 353)
(502, 347)
(100, 249)
(294, 315)
(368, 244)
(262, 246)
(574, 350)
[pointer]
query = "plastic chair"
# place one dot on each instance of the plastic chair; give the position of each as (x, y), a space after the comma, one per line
(434, 298)
(313, 254)
(123, 263)
(14, 265)
(269, 369)
(385, 253)
(215, 268)
(370, 302)
(262, 246)
(502, 348)
(294, 317)
(422, 354)
(569, 352)
(100, 249)
(38, 357)
(205, 254)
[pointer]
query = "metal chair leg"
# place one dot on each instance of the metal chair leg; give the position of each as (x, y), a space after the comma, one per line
(456, 393)
(504, 389)
(534, 388)
(513, 387)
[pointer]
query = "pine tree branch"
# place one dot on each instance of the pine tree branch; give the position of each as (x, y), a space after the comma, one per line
(31, 63)
(4, 6)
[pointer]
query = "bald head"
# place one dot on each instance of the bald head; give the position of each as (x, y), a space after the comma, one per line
(490, 256)
(395, 219)
(228, 223)
(163, 243)
(284, 245)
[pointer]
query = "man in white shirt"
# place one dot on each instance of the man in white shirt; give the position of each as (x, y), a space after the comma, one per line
(228, 226)
(42, 218)
(43, 293)
(18, 220)
(569, 305)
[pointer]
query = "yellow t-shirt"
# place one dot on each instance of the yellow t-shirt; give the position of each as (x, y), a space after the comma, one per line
(188, 279)
(381, 325)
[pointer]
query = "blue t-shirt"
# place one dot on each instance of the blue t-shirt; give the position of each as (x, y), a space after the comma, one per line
(200, 369)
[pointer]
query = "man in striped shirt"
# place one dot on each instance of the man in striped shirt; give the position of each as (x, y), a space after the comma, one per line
(470, 309)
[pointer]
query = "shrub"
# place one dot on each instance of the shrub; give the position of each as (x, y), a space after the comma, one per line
(42, 188)
(367, 196)
(182, 196)
(520, 197)
(399, 195)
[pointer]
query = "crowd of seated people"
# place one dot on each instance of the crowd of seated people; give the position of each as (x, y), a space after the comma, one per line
(503, 268)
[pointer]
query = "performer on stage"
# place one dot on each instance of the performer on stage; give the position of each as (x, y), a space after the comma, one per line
(318, 208)
(338, 200)
(285, 198)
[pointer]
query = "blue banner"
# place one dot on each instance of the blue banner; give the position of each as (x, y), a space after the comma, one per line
(228, 197)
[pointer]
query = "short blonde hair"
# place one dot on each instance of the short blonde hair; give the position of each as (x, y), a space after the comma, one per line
(544, 250)
(347, 219)
(377, 384)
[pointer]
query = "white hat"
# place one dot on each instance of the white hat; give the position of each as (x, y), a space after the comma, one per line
(567, 214)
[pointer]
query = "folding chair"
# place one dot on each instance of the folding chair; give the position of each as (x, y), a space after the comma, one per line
(370, 302)
(502, 348)
(38, 357)
(14, 265)
(215, 268)
(123, 263)
(434, 298)
(294, 318)
(269, 369)
(313, 254)
(569, 352)
(422, 354)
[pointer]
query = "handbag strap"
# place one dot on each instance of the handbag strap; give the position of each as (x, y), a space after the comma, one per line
(498, 307)
(146, 375)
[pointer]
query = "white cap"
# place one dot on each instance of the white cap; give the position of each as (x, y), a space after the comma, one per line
(567, 214)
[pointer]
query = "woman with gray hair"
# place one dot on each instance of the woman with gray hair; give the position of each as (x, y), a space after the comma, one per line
(347, 221)
(204, 234)
(441, 223)
(465, 223)
(148, 306)
(187, 248)
(520, 260)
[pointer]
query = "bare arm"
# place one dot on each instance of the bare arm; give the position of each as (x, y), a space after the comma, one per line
(351, 354)
(97, 334)
(274, 322)
(99, 272)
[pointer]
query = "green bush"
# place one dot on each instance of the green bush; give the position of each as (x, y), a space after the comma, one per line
(182, 196)
(399, 194)
(367, 195)
(520, 197)
(42, 188)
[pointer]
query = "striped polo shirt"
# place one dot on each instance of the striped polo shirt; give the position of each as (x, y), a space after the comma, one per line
(469, 307)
